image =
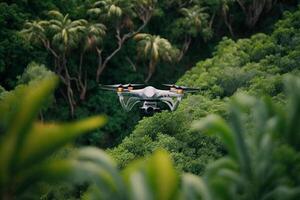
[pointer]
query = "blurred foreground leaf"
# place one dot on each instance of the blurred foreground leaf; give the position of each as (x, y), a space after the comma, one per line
(26, 145)
(254, 136)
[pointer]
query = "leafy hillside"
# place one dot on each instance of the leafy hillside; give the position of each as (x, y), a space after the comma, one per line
(238, 138)
(262, 139)
(86, 42)
(255, 66)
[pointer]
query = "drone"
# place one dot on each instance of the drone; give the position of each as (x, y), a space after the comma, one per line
(149, 97)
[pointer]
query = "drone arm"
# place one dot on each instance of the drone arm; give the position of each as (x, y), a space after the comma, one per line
(132, 101)
(128, 103)
(176, 103)
(173, 104)
(123, 104)
(136, 93)
(164, 93)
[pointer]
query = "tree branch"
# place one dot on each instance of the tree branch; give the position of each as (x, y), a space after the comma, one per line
(120, 40)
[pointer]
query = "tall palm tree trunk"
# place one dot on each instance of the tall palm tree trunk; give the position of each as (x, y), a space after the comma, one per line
(68, 84)
(151, 70)
(82, 81)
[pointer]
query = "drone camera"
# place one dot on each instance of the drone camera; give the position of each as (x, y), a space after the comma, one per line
(150, 110)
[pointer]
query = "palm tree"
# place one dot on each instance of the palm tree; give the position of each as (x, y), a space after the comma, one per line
(154, 48)
(35, 33)
(91, 39)
(195, 20)
(222, 7)
(113, 8)
(121, 13)
(195, 16)
(66, 36)
(66, 32)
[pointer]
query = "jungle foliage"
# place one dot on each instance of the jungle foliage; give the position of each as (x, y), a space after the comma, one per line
(261, 138)
(255, 66)
(236, 139)
(89, 41)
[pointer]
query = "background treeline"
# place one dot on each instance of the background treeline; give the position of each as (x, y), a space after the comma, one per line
(261, 138)
(255, 66)
(87, 42)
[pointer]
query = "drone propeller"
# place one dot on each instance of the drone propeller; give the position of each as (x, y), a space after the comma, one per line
(104, 87)
(123, 85)
(186, 89)
(120, 87)
(133, 85)
(113, 86)
(170, 85)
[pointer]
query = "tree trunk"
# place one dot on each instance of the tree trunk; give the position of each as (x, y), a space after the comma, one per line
(121, 40)
(254, 11)
(68, 83)
(151, 70)
(185, 47)
(212, 20)
(82, 83)
(104, 64)
(227, 21)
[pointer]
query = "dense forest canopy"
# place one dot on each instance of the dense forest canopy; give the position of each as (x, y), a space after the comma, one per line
(254, 66)
(244, 55)
(90, 42)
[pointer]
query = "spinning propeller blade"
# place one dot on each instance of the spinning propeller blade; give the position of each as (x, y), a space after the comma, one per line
(186, 89)
(120, 87)
(133, 85)
(113, 86)
(103, 87)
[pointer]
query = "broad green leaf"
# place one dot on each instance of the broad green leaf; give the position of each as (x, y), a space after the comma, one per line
(51, 171)
(44, 139)
(103, 161)
(139, 187)
(155, 176)
(162, 175)
(237, 124)
(194, 187)
(23, 115)
(293, 121)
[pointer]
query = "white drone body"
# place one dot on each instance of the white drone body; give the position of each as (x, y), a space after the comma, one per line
(149, 96)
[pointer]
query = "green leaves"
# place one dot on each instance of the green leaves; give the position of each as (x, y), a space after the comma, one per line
(153, 178)
(150, 178)
(26, 145)
(194, 187)
(251, 137)
(292, 128)
(155, 49)
(66, 31)
(38, 145)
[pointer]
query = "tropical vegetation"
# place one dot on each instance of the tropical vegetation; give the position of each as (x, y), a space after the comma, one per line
(236, 138)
